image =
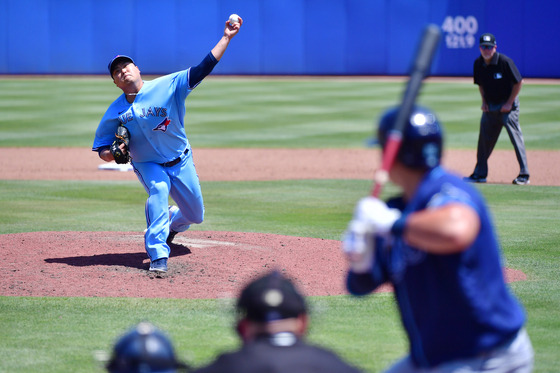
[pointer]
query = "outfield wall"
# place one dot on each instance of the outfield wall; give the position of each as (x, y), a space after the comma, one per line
(340, 37)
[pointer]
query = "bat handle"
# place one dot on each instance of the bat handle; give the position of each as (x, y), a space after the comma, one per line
(381, 178)
(389, 155)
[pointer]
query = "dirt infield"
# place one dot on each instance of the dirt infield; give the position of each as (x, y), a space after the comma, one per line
(202, 264)
(266, 164)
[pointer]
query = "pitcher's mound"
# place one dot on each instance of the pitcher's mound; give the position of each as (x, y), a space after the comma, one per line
(202, 264)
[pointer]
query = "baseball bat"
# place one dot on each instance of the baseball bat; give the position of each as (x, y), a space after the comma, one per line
(420, 67)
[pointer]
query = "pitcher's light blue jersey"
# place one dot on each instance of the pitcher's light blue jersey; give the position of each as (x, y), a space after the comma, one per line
(155, 120)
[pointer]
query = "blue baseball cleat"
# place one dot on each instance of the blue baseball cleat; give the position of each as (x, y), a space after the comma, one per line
(159, 265)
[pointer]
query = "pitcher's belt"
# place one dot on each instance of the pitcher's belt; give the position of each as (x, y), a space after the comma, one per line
(175, 161)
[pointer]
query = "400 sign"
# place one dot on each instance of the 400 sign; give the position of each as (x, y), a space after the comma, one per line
(460, 31)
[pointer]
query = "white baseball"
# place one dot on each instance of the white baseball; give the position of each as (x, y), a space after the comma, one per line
(234, 18)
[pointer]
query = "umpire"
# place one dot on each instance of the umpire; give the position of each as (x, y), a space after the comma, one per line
(272, 322)
(499, 83)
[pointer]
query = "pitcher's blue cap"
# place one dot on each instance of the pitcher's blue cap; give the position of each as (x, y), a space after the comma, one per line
(118, 58)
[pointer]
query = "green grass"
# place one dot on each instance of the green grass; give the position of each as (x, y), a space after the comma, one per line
(50, 334)
(278, 206)
(64, 334)
(72, 328)
(249, 112)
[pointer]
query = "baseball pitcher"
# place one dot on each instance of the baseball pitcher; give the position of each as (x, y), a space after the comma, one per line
(146, 126)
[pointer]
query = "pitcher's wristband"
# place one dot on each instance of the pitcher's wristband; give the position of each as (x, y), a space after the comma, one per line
(398, 227)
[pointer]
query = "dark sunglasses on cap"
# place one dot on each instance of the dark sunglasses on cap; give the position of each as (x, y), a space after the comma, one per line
(487, 47)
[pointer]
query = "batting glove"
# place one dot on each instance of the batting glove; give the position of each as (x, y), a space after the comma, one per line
(358, 246)
(376, 215)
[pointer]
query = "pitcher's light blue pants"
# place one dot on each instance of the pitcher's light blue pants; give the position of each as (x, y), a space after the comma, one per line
(182, 184)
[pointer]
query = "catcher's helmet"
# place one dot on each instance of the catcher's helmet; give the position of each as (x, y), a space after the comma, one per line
(422, 137)
(144, 349)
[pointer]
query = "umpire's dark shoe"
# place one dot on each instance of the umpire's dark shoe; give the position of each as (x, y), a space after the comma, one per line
(170, 237)
(159, 265)
(521, 180)
(475, 179)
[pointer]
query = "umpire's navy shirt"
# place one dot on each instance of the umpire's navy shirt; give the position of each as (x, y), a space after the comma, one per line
(497, 79)
(279, 353)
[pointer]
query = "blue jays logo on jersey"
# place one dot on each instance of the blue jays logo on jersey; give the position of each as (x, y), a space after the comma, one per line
(163, 125)
(153, 112)
(498, 76)
(126, 117)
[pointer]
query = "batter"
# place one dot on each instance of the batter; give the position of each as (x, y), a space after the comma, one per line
(437, 245)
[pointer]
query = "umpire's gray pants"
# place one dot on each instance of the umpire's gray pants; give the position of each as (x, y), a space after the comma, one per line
(491, 124)
(515, 356)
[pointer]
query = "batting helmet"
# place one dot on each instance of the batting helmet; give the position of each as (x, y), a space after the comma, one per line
(144, 349)
(422, 137)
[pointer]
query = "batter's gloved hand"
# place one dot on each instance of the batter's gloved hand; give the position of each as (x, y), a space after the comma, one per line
(120, 153)
(376, 215)
(358, 246)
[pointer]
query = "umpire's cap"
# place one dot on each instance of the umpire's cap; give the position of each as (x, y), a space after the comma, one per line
(422, 137)
(269, 298)
(115, 60)
(487, 39)
(144, 349)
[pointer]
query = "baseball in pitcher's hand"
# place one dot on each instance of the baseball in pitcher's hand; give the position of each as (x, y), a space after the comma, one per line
(231, 30)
